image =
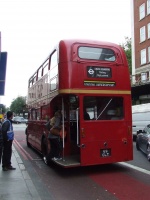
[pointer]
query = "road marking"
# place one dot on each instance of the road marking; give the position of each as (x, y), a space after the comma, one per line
(136, 168)
(22, 150)
(37, 159)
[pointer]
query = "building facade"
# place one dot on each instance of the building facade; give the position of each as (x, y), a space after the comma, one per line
(140, 51)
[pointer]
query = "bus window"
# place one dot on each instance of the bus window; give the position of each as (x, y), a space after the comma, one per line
(30, 83)
(86, 115)
(53, 72)
(34, 79)
(45, 67)
(104, 108)
(38, 113)
(74, 104)
(54, 60)
(45, 113)
(34, 115)
(96, 53)
(39, 73)
(53, 84)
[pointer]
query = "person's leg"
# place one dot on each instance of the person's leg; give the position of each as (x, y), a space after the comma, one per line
(9, 153)
(60, 147)
(6, 157)
(52, 148)
(55, 148)
(58, 150)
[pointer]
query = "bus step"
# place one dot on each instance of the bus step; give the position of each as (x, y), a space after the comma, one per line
(68, 161)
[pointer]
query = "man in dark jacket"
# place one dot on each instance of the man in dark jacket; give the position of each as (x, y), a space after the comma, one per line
(8, 136)
(1, 141)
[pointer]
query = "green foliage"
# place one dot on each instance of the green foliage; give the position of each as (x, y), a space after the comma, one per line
(18, 105)
(127, 46)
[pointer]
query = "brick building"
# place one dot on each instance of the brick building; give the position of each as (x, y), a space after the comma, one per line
(140, 51)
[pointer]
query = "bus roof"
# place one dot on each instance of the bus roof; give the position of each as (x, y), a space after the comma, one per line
(88, 41)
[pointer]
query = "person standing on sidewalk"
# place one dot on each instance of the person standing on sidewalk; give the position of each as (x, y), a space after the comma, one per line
(8, 137)
(1, 141)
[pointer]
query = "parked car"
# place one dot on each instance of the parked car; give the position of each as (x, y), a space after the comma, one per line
(140, 118)
(18, 120)
(143, 141)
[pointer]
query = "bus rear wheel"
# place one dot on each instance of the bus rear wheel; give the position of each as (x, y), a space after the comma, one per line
(46, 158)
(28, 144)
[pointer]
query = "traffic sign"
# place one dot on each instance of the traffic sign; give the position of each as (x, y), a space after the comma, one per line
(3, 62)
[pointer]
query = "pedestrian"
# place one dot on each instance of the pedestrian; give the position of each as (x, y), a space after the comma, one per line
(54, 136)
(8, 137)
(1, 141)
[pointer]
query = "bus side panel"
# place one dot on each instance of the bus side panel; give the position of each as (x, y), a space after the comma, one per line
(35, 131)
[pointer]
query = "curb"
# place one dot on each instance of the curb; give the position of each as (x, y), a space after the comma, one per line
(32, 190)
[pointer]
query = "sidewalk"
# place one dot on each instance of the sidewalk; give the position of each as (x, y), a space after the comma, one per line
(17, 184)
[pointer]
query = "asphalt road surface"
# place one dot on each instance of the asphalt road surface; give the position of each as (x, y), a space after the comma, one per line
(123, 181)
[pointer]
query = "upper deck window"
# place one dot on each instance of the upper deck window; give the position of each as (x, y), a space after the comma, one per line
(96, 53)
(54, 60)
(45, 67)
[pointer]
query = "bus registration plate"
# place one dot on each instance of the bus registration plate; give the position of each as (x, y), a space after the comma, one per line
(105, 152)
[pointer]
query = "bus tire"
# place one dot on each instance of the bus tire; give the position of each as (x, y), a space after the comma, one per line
(28, 144)
(45, 151)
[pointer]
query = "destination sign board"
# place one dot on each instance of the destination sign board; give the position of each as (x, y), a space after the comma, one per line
(99, 72)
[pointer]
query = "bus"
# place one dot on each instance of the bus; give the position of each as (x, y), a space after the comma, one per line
(81, 76)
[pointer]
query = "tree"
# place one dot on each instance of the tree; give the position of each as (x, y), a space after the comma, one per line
(18, 105)
(127, 46)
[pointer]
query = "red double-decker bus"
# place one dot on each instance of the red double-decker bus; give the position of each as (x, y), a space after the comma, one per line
(82, 76)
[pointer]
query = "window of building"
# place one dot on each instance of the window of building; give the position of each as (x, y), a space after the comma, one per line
(143, 56)
(148, 7)
(148, 29)
(142, 34)
(149, 54)
(142, 11)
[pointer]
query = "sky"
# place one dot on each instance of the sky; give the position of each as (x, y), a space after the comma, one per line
(31, 28)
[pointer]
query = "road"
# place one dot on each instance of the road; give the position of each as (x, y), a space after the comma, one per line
(121, 181)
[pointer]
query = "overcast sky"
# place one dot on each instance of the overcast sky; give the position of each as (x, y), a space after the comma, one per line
(30, 29)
